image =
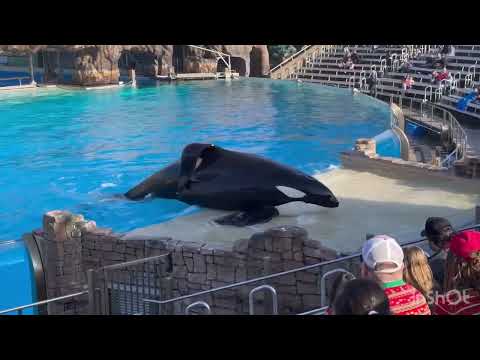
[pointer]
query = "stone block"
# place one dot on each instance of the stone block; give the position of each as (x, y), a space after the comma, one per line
(289, 279)
(307, 277)
(107, 246)
(197, 278)
(241, 246)
(211, 272)
(286, 289)
(240, 274)
(177, 258)
(288, 255)
(205, 250)
(191, 246)
(226, 273)
(209, 259)
(307, 288)
(180, 271)
(311, 301)
(189, 263)
(290, 265)
(199, 264)
(315, 244)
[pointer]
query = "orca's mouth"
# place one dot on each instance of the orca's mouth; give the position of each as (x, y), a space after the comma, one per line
(328, 201)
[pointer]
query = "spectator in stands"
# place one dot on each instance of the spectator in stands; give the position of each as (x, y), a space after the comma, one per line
(438, 232)
(445, 50)
(362, 297)
(416, 270)
(462, 278)
(389, 59)
(355, 58)
(372, 82)
(437, 77)
(382, 260)
(408, 82)
(337, 287)
(405, 67)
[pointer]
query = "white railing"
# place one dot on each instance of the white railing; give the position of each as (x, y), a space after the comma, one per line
(432, 115)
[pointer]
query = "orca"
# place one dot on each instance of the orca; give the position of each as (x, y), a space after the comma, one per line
(210, 176)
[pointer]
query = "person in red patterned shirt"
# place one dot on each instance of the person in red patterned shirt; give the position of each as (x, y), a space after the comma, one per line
(382, 260)
(462, 278)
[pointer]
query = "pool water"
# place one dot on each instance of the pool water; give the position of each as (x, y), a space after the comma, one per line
(75, 150)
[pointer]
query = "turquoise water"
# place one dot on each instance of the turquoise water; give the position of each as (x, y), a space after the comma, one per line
(74, 150)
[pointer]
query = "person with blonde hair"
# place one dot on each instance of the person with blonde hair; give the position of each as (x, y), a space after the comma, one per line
(462, 277)
(416, 270)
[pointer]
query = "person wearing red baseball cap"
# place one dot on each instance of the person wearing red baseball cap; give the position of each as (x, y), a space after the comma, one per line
(462, 277)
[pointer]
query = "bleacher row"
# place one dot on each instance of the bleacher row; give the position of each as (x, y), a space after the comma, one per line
(464, 67)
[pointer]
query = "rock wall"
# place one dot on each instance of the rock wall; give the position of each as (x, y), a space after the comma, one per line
(70, 245)
(98, 64)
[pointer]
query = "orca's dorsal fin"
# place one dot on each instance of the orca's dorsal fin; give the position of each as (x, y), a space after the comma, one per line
(190, 161)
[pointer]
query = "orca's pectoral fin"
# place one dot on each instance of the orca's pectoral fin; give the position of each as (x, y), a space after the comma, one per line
(250, 217)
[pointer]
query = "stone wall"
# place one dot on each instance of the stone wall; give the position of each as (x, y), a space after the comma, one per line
(70, 245)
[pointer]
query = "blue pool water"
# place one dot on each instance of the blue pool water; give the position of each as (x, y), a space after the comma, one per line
(74, 150)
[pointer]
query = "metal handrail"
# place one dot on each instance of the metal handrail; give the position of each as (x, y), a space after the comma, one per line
(19, 309)
(198, 303)
(283, 273)
(457, 133)
(19, 78)
(302, 50)
(272, 290)
(323, 295)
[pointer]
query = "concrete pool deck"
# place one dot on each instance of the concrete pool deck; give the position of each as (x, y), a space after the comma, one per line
(368, 204)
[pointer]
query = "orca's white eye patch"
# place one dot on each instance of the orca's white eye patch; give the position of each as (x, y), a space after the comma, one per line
(291, 192)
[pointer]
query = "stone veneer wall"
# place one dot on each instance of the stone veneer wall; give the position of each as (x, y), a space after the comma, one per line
(70, 245)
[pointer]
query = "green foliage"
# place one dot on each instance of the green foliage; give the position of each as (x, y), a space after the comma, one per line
(278, 53)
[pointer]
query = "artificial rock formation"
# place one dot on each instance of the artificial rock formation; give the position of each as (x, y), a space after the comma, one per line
(99, 64)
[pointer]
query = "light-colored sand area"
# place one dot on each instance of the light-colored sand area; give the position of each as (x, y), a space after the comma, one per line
(368, 204)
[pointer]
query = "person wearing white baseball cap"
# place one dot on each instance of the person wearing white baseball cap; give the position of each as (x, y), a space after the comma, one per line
(382, 260)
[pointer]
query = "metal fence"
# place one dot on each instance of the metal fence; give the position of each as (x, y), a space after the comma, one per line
(119, 289)
(323, 272)
(144, 287)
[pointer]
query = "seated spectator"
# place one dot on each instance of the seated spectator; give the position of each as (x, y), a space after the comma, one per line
(389, 59)
(438, 232)
(445, 50)
(417, 272)
(355, 58)
(405, 67)
(337, 287)
(382, 260)
(437, 77)
(408, 82)
(362, 297)
(462, 277)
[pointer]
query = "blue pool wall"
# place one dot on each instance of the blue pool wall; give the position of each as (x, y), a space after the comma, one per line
(17, 285)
